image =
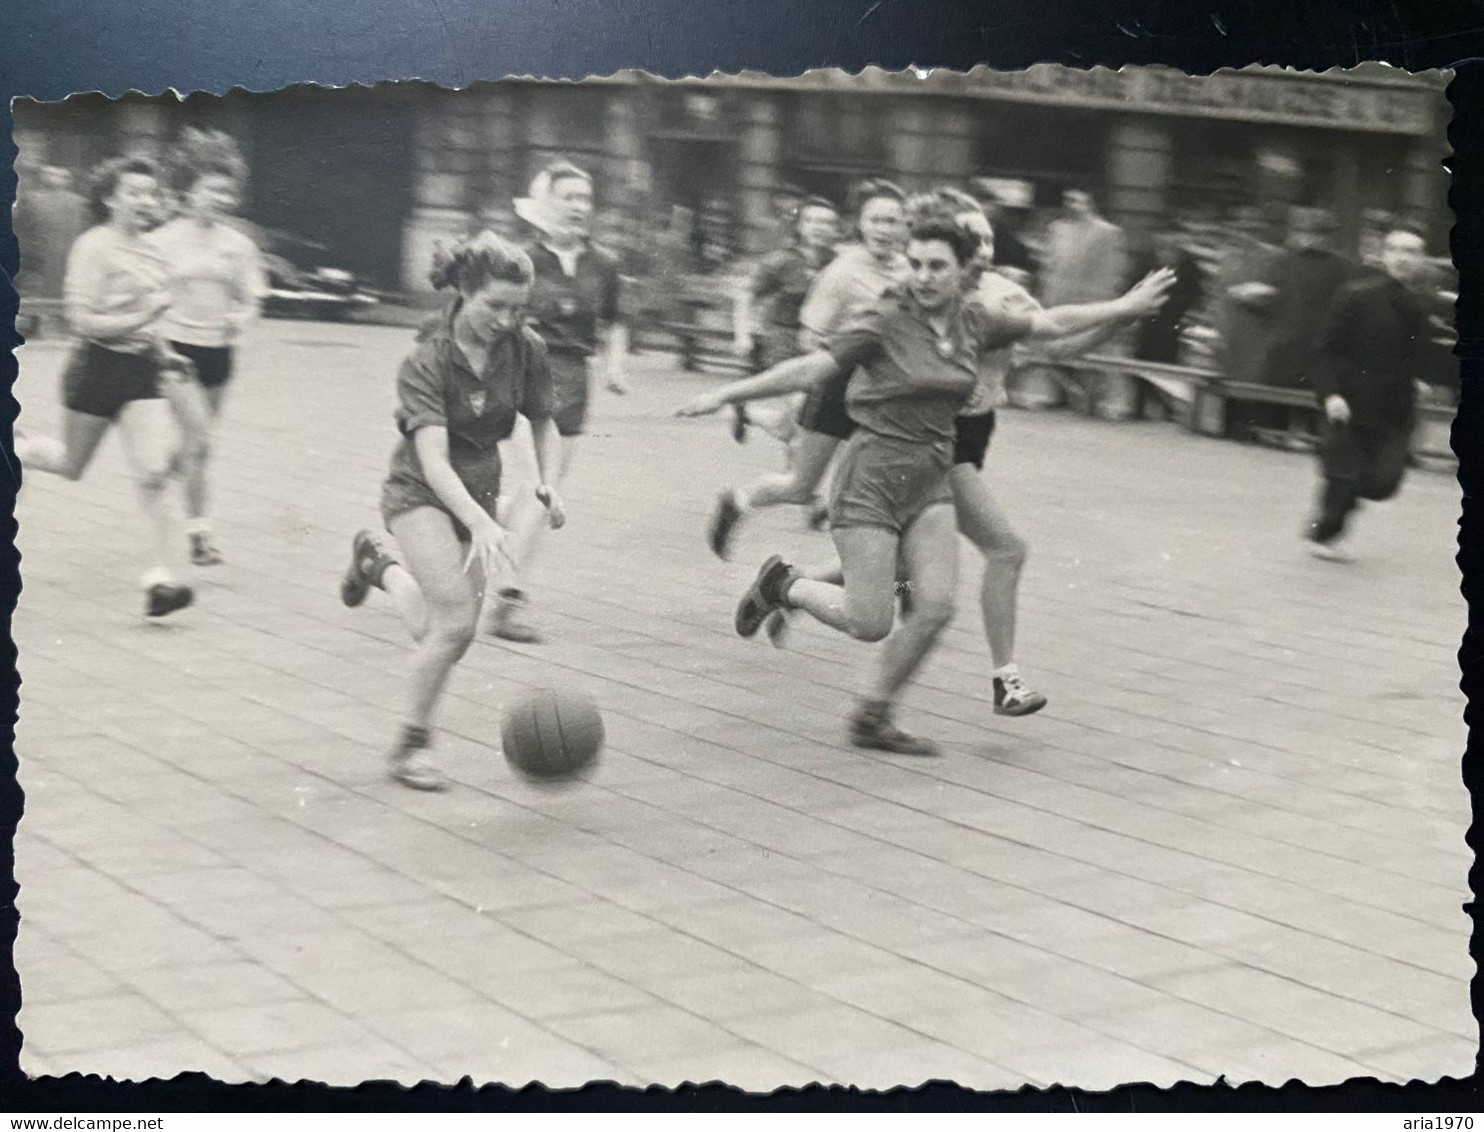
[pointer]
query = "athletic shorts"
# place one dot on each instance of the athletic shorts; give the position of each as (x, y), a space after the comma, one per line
(569, 389)
(213, 363)
(403, 492)
(882, 482)
(100, 382)
(972, 440)
(824, 412)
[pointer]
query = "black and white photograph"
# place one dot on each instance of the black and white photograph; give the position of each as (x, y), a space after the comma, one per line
(858, 578)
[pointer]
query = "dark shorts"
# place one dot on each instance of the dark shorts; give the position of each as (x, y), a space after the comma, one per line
(402, 493)
(824, 412)
(569, 388)
(971, 444)
(881, 482)
(100, 382)
(213, 363)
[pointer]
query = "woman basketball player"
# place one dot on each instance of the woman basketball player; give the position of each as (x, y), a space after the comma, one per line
(459, 394)
(116, 292)
(859, 275)
(916, 361)
(216, 282)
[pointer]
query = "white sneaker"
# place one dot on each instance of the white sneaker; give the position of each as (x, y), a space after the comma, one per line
(1336, 550)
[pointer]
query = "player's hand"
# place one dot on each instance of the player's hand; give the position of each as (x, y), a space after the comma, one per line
(702, 406)
(556, 514)
(1337, 409)
(1147, 295)
(487, 547)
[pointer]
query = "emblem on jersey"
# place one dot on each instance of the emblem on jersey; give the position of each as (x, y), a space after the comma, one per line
(946, 348)
(476, 400)
(567, 305)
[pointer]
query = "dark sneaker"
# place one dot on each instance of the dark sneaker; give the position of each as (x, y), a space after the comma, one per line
(410, 764)
(740, 423)
(165, 598)
(763, 596)
(508, 625)
(369, 558)
(776, 626)
(874, 731)
(724, 522)
(1012, 697)
(204, 552)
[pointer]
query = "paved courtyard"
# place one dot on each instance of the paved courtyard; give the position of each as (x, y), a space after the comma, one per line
(1233, 844)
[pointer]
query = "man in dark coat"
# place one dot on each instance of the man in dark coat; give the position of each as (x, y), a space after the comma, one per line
(1371, 352)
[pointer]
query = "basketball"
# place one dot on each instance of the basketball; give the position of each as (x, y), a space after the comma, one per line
(552, 736)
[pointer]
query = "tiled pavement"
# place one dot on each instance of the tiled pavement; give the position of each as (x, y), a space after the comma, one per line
(1232, 845)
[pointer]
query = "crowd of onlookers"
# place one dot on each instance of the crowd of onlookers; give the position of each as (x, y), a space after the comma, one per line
(1245, 303)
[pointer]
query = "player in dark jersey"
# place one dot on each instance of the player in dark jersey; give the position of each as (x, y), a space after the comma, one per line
(915, 356)
(860, 274)
(765, 315)
(459, 393)
(575, 307)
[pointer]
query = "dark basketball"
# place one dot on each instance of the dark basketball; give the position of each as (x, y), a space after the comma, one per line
(550, 736)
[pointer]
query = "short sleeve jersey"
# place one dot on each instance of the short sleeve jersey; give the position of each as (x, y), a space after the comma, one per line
(912, 383)
(216, 276)
(437, 388)
(567, 310)
(996, 293)
(782, 281)
(109, 273)
(854, 279)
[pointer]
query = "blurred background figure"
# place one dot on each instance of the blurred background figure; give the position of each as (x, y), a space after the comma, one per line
(48, 218)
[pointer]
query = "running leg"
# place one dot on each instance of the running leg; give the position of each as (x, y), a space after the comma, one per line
(148, 435)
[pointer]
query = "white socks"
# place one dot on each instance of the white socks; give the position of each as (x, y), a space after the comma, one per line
(201, 526)
(157, 576)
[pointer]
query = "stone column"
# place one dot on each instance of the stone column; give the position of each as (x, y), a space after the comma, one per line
(445, 201)
(908, 151)
(1424, 194)
(1141, 165)
(758, 159)
(143, 128)
(1345, 196)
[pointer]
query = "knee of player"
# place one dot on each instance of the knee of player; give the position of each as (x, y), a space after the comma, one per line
(934, 613)
(152, 475)
(452, 628)
(872, 627)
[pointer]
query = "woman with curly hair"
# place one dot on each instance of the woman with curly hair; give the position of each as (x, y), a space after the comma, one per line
(116, 294)
(916, 357)
(459, 393)
(217, 282)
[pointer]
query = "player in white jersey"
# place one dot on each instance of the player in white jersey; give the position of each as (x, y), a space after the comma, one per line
(116, 293)
(217, 282)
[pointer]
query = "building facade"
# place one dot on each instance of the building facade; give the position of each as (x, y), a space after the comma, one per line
(380, 175)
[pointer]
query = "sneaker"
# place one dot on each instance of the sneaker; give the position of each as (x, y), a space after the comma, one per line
(413, 768)
(740, 423)
(410, 765)
(508, 625)
(1335, 550)
(776, 626)
(204, 552)
(764, 596)
(1012, 697)
(165, 598)
(724, 522)
(873, 730)
(369, 558)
